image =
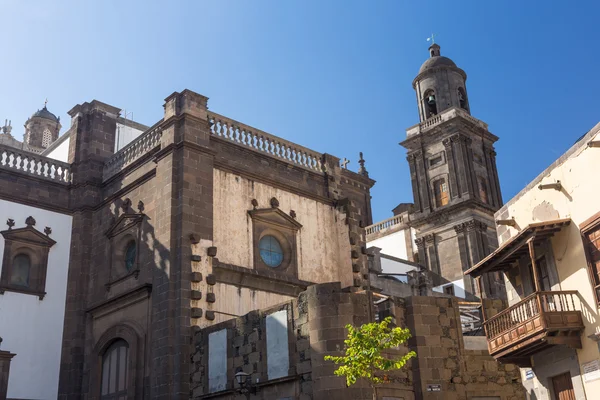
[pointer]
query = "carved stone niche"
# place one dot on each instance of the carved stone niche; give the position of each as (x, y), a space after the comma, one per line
(125, 237)
(271, 226)
(25, 260)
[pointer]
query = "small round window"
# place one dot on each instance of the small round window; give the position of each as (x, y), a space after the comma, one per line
(130, 256)
(270, 251)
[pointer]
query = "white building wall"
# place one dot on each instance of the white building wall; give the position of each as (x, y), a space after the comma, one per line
(393, 245)
(32, 328)
(61, 152)
(125, 134)
(459, 288)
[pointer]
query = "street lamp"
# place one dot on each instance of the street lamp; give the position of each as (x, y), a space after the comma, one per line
(245, 383)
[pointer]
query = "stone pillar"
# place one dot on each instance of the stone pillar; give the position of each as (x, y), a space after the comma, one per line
(451, 160)
(5, 358)
(93, 130)
(329, 310)
(184, 172)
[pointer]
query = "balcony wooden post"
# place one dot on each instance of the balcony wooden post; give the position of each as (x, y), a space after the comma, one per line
(536, 283)
(480, 290)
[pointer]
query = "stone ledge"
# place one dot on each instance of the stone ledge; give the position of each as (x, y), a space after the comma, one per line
(259, 280)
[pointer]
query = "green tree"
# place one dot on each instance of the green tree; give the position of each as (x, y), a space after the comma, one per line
(364, 348)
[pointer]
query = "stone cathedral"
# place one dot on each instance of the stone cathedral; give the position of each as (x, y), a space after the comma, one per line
(453, 173)
(202, 258)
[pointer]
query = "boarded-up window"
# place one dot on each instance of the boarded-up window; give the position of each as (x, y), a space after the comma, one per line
(483, 190)
(278, 358)
(217, 361)
(440, 191)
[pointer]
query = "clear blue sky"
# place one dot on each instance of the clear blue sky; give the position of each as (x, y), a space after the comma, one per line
(334, 76)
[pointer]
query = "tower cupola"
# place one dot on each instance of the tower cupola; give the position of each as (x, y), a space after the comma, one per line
(440, 85)
(41, 129)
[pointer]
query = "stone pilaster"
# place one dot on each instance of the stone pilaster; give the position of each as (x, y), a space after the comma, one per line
(451, 160)
(415, 183)
(462, 172)
(423, 181)
(184, 208)
(91, 144)
(5, 358)
(490, 157)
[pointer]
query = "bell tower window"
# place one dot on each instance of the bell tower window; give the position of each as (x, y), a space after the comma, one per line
(46, 138)
(462, 99)
(430, 104)
(440, 192)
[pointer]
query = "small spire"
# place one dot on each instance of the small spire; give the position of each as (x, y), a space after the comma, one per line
(362, 170)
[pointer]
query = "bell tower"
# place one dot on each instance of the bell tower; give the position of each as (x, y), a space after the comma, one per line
(454, 179)
(41, 129)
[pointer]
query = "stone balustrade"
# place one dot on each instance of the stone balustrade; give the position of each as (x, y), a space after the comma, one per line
(385, 224)
(133, 151)
(257, 140)
(35, 165)
(444, 116)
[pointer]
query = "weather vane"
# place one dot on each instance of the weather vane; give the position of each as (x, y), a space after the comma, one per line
(431, 39)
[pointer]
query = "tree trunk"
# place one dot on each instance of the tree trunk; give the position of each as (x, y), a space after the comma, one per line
(374, 392)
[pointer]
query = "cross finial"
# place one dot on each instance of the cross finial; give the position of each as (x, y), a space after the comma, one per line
(345, 163)
(431, 39)
(45, 102)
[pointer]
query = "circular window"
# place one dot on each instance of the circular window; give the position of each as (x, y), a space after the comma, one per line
(270, 251)
(130, 256)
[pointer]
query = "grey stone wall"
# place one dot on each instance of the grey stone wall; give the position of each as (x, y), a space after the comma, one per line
(316, 327)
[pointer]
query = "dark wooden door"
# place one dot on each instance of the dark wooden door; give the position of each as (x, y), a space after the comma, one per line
(563, 387)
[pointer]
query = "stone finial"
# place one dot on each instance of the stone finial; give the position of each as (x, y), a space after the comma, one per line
(140, 206)
(7, 128)
(30, 221)
(126, 204)
(254, 203)
(362, 170)
(293, 214)
(47, 231)
(274, 202)
(10, 222)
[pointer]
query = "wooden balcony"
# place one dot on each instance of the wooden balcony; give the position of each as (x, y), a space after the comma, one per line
(540, 320)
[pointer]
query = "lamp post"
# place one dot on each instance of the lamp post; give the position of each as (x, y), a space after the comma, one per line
(245, 384)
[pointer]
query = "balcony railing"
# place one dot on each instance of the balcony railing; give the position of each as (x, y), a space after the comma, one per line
(541, 317)
(383, 225)
(35, 165)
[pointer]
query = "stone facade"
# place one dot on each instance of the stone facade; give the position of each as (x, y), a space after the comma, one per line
(458, 366)
(454, 178)
(188, 194)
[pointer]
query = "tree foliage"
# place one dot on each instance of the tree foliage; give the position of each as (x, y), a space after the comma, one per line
(364, 347)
